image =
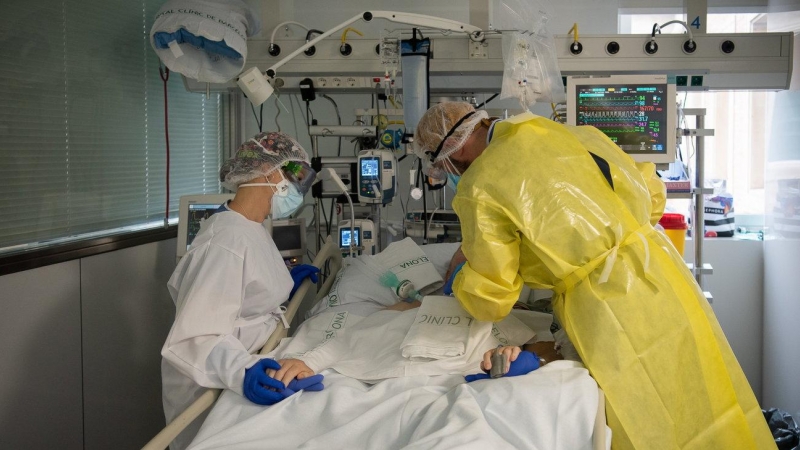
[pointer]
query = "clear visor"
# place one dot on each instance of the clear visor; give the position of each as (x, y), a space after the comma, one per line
(301, 174)
(440, 168)
(433, 170)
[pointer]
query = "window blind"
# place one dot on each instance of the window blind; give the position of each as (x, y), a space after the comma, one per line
(82, 145)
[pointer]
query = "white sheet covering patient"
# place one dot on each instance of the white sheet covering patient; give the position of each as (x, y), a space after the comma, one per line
(370, 348)
(401, 402)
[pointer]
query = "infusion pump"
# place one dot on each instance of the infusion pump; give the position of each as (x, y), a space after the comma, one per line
(377, 176)
(364, 234)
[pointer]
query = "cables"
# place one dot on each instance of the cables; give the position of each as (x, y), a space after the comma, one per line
(274, 49)
(294, 114)
(574, 32)
(345, 49)
(310, 32)
(260, 121)
(487, 101)
(680, 22)
(338, 117)
(164, 74)
(559, 112)
(688, 47)
(305, 118)
(278, 107)
(330, 215)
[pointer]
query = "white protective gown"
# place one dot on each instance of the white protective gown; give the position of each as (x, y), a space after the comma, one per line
(227, 292)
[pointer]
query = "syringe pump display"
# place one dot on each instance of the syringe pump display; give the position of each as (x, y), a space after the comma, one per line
(344, 238)
(369, 167)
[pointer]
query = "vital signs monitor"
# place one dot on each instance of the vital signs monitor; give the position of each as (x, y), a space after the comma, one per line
(637, 112)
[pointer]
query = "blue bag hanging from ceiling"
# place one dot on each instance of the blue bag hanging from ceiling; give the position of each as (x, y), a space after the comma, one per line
(205, 40)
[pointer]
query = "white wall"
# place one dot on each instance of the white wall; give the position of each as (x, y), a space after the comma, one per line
(40, 349)
(782, 326)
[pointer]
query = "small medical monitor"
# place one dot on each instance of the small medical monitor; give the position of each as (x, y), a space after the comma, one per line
(290, 237)
(192, 210)
(370, 167)
(344, 237)
(637, 112)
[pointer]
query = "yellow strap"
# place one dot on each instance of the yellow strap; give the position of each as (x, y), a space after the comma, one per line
(608, 257)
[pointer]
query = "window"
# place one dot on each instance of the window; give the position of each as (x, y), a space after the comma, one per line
(736, 153)
(82, 147)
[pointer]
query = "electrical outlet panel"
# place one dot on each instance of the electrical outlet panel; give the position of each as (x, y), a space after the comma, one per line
(340, 82)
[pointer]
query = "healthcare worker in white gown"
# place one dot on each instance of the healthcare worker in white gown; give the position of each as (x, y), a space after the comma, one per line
(229, 287)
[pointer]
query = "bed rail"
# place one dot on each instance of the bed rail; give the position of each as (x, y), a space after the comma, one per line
(600, 436)
(329, 252)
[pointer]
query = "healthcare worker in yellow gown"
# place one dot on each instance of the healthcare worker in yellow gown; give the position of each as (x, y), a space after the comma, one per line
(563, 208)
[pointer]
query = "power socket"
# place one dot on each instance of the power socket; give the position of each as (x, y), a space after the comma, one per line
(343, 82)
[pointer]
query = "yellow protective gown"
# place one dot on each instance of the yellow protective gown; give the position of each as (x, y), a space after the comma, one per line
(535, 209)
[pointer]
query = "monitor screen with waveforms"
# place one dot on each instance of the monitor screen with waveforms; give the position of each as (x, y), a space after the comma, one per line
(637, 113)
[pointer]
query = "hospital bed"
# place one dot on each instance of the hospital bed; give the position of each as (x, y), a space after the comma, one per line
(551, 414)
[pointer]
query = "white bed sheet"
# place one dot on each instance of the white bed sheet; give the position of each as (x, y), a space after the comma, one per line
(551, 408)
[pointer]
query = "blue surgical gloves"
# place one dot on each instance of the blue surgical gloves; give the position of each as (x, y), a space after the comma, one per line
(526, 362)
(262, 389)
(300, 273)
(312, 383)
(448, 287)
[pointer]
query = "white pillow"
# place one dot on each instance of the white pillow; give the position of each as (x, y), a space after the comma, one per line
(440, 255)
(358, 289)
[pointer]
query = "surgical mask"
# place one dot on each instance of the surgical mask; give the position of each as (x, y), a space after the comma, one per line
(452, 181)
(287, 198)
(284, 205)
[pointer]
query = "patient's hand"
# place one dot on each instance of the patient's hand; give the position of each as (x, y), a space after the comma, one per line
(290, 369)
(458, 258)
(404, 306)
(510, 352)
(545, 350)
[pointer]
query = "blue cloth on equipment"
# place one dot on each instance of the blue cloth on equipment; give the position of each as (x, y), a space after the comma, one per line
(300, 273)
(448, 287)
(258, 386)
(162, 40)
(526, 362)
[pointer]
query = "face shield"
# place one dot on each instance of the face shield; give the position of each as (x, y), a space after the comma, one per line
(301, 174)
(438, 164)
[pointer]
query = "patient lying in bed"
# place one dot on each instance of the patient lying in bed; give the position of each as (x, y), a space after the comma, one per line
(373, 339)
(377, 397)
